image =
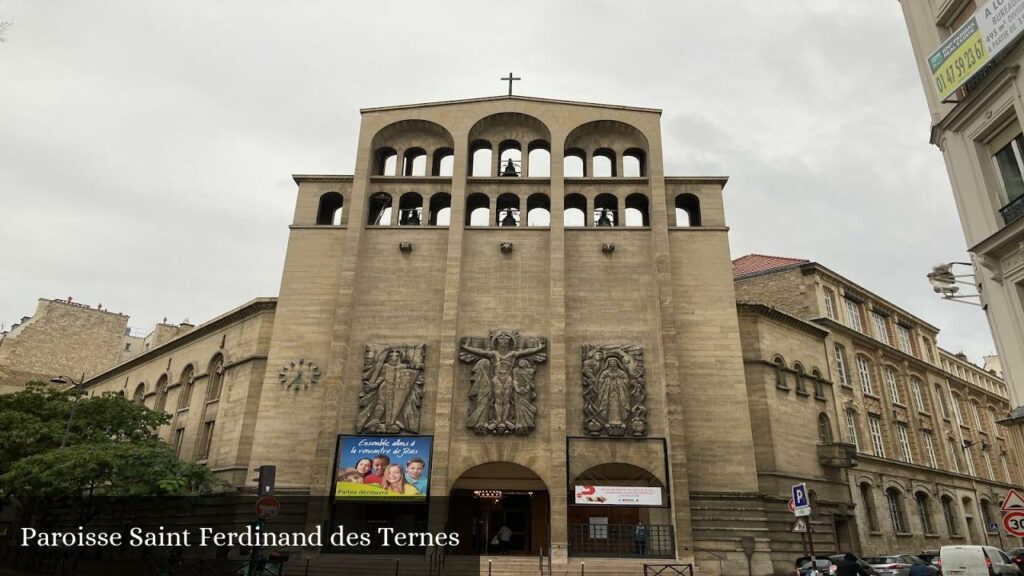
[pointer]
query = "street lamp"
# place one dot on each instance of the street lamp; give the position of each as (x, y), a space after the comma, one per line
(71, 415)
(944, 282)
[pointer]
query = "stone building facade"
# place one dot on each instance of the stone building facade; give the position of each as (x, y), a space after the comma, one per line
(912, 450)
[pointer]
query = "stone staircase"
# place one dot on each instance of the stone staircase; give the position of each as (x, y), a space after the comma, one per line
(469, 566)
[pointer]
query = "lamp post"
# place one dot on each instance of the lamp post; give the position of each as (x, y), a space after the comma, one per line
(71, 413)
(944, 282)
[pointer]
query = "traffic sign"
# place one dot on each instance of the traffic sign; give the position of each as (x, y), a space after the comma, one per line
(800, 496)
(805, 511)
(800, 525)
(1013, 523)
(993, 527)
(267, 507)
(790, 506)
(1013, 501)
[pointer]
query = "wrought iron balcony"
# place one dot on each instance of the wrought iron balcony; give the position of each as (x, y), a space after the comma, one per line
(1013, 211)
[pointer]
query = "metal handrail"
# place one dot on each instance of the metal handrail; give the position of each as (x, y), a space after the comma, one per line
(661, 569)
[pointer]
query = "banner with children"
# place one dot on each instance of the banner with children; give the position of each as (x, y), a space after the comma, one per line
(375, 467)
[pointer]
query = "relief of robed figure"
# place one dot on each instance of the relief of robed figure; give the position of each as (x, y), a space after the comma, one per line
(614, 390)
(392, 392)
(503, 383)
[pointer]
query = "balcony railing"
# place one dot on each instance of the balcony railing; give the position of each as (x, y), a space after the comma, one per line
(621, 541)
(1013, 211)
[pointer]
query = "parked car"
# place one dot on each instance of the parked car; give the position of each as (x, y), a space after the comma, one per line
(825, 565)
(897, 564)
(932, 557)
(976, 561)
(1017, 556)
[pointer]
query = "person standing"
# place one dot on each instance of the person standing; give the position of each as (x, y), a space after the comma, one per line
(640, 539)
(504, 538)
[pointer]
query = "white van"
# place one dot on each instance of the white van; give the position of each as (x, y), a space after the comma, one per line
(976, 561)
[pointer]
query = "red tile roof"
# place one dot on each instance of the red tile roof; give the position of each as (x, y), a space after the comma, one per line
(754, 263)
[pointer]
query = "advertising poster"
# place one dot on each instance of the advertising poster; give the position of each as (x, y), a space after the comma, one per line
(382, 467)
(618, 495)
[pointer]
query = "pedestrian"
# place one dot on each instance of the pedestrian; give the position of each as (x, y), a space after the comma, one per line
(849, 566)
(920, 569)
(505, 536)
(640, 539)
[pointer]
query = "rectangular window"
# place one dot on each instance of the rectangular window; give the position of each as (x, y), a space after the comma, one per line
(928, 351)
(903, 339)
(890, 383)
(179, 435)
(956, 409)
(940, 397)
(1006, 467)
(853, 315)
(976, 416)
(1008, 162)
(915, 389)
(895, 514)
(969, 461)
(204, 440)
(929, 449)
(901, 434)
(954, 458)
(851, 429)
(830, 304)
(875, 428)
(988, 465)
(881, 332)
(844, 378)
(864, 371)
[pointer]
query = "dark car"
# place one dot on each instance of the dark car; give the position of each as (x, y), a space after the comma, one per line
(1017, 556)
(826, 565)
(897, 564)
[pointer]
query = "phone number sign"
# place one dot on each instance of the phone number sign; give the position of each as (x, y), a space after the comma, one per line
(974, 44)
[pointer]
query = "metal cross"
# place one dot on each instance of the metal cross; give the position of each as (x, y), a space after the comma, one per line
(509, 80)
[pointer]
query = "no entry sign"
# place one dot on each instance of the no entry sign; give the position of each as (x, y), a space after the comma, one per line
(267, 507)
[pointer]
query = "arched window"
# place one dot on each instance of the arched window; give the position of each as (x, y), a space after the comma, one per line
(161, 394)
(480, 159)
(687, 210)
(924, 513)
(510, 159)
(444, 162)
(379, 210)
(508, 210)
(868, 498)
(637, 210)
(894, 498)
(538, 210)
(824, 429)
(780, 372)
(986, 514)
(604, 163)
(949, 513)
(574, 165)
(410, 209)
(801, 385)
(216, 378)
(415, 162)
(385, 162)
(185, 392)
(633, 163)
(329, 211)
(940, 397)
(478, 210)
(440, 209)
(140, 394)
(606, 210)
(539, 159)
(819, 384)
(575, 214)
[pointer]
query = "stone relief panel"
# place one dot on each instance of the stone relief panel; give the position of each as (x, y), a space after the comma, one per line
(392, 393)
(503, 384)
(614, 390)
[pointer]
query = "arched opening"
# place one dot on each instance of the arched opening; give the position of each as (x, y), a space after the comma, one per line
(687, 210)
(140, 394)
(415, 162)
(215, 378)
(801, 384)
(379, 209)
(897, 516)
(329, 211)
(574, 164)
(620, 509)
(444, 162)
(538, 210)
(987, 516)
(780, 372)
(510, 159)
(440, 209)
(867, 497)
(385, 161)
(819, 388)
(949, 514)
(161, 394)
(604, 163)
(185, 390)
(508, 210)
(480, 159)
(410, 209)
(924, 512)
(539, 159)
(575, 213)
(487, 499)
(824, 429)
(972, 524)
(633, 161)
(478, 210)
(606, 210)
(637, 210)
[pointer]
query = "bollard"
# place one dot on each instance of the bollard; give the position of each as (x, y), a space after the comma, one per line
(397, 562)
(583, 569)
(488, 568)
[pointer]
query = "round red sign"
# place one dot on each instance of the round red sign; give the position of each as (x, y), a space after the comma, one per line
(792, 508)
(267, 507)
(1013, 523)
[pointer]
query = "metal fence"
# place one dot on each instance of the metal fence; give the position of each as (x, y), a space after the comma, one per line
(621, 541)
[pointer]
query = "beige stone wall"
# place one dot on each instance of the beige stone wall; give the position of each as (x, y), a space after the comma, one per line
(791, 291)
(60, 339)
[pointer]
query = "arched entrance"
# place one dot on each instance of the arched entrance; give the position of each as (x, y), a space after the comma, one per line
(503, 500)
(620, 510)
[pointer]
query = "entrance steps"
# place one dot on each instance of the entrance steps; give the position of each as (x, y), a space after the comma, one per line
(359, 565)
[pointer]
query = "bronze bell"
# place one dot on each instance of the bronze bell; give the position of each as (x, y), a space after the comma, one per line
(510, 169)
(508, 220)
(603, 219)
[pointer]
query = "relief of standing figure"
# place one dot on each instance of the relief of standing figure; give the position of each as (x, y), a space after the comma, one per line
(392, 392)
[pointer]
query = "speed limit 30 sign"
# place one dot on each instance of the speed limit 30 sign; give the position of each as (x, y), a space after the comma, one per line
(1013, 523)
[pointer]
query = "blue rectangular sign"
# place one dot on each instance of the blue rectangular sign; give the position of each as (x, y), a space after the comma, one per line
(800, 496)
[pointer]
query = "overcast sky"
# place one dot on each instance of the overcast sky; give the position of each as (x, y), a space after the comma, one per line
(146, 148)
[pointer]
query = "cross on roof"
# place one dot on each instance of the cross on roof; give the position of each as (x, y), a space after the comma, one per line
(510, 79)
